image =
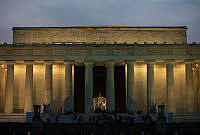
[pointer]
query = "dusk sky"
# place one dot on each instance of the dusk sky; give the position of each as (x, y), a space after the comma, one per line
(63, 13)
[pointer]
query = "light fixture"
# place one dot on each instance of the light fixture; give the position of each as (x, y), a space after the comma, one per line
(3, 68)
(195, 66)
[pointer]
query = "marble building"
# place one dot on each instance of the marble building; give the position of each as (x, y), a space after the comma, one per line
(132, 67)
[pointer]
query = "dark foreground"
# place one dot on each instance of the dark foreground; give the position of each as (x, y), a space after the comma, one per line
(101, 129)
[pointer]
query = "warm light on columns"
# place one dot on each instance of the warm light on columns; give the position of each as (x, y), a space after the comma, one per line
(140, 81)
(180, 87)
(38, 83)
(126, 82)
(19, 85)
(58, 86)
(3, 72)
(73, 87)
(159, 91)
(9, 89)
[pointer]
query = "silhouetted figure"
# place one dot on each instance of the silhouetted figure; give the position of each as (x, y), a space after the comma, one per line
(56, 119)
(37, 123)
(75, 116)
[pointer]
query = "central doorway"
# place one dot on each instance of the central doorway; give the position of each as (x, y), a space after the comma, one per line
(99, 81)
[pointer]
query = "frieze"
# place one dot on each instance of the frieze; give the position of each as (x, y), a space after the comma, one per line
(9, 52)
(131, 52)
(4, 52)
(119, 52)
(40, 52)
(179, 52)
(20, 52)
(68, 52)
(80, 52)
(59, 52)
(141, 51)
(99, 52)
(195, 52)
(158, 52)
(170, 52)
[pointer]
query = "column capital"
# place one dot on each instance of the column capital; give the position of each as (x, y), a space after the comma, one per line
(188, 61)
(68, 61)
(48, 62)
(2, 62)
(109, 63)
(169, 61)
(130, 61)
(189, 66)
(29, 61)
(150, 61)
(59, 61)
(9, 62)
(89, 62)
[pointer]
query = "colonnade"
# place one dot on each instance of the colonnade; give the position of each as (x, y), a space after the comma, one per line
(170, 95)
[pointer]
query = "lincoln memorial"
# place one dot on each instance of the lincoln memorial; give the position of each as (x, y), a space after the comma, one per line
(130, 68)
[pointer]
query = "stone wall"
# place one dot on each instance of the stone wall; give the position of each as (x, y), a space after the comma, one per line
(99, 34)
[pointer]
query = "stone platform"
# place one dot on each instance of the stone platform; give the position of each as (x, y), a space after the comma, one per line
(82, 118)
(99, 118)
(13, 117)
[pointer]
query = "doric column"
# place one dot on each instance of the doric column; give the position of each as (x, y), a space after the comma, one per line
(190, 88)
(9, 88)
(88, 87)
(68, 87)
(3, 72)
(196, 85)
(28, 94)
(48, 92)
(198, 93)
(171, 106)
(130, 87)
(110, 91)
(150, 82)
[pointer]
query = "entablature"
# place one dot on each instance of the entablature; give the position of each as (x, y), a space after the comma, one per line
(100, 52)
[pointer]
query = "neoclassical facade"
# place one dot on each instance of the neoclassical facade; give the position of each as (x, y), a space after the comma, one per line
(132, 67)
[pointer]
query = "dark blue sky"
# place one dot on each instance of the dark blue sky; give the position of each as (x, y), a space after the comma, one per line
(99, 12)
